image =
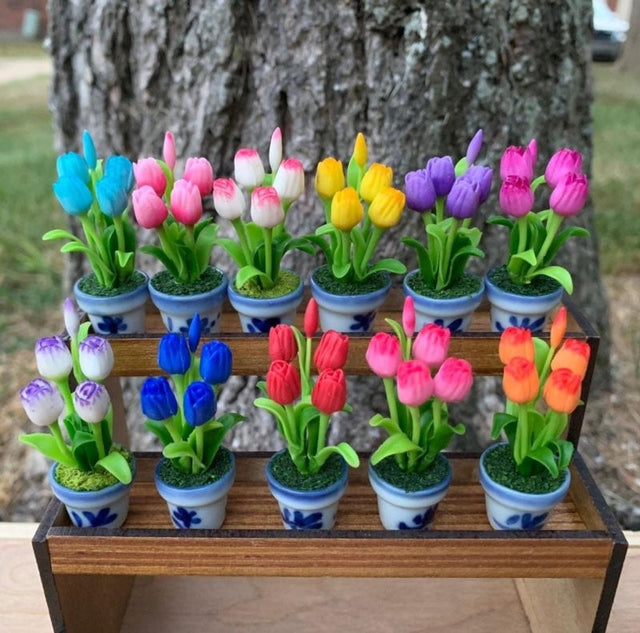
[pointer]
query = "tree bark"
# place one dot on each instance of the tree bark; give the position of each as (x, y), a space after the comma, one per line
(418, 78)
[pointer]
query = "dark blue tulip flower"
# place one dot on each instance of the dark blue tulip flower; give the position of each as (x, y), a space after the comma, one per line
(89, 150)
(73, 195)
(474, 147)
(72, 164)
(215, 362)
(112, 196)
(121, 168)
(419, 190)
(442, 174)
(157, 399)
(173, 354)
(463, 200)
(482, 176)
(195, 329)
(199, 403)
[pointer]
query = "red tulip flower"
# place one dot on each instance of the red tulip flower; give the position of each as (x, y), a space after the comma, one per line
(332, 351)
(283, 382)
(330, 391)
(310, 325)
(282, 343)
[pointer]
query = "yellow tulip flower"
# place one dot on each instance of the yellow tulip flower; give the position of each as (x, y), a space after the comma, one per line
(360, 150)
(386, 208)
(376, 178)
(329, 177)
(346, 209)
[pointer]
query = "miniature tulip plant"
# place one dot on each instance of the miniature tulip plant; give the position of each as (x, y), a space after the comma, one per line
(535, 372)
(96, 192)
(304, 424)
(174, 209)
(262, 243)
(418, 421)
(85, 412)
(535, 237)
(357, 215)
(448, 196)
(185, 421)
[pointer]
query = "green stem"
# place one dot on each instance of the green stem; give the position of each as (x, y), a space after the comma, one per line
(374, 238)
(241, 232)
(553, 224)
(439, 209)
(322, 432)
(57, 434)
(291, 424)
(415, 437)
(327, 209)
(521, 448)
(366, 223)
(179, 383)
(345, 250)
(391, 399)
(96, 429)
(537, 182)
(515, 267)
(117, 223)
(307, 358)
(168, 248)
(102, 270)
(268, 257)
(436, 407)
(199, 448)
(63, 387)
(443, 272)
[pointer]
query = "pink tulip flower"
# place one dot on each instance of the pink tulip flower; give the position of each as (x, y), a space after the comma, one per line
(432, 344)
(516, 197)
(453, 381)
(564, 161)
(384, 355)
(266, 208)
(228, 199)
(408, 317)
(517, 161)
(570, 195)
(289, 180)
(186, 203)
(198, 172)
(148, 207)
(249, 171)
(415, 385)
(275, 150)
(148, 172)
(169, 150)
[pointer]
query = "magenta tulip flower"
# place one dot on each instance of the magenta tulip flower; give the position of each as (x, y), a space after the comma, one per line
(198, 172)
(148, 207)
(516, 197)
(384, 355)
(570, 195)
(432, 344)
(453, 381)
(248, 168)
(266, 208)
(563, 162)
(148, 172)
(186, 203)
(289, 180)
(415, 385)
(228, 199)
(517, 161)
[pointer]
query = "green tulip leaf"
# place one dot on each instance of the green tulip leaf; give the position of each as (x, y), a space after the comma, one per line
(386, 423)
(545, 457)
(349, 455)
(503, 422)
(47, 445)
(118, 466)
(390, 265)
(560, 274)
(393, 445)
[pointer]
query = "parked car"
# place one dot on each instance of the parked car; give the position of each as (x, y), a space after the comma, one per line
(609, 33)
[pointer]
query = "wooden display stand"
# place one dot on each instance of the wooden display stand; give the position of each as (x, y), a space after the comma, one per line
(88, 574)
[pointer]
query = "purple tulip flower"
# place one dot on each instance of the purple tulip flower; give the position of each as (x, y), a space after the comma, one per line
(482, 176)
(42, 402)
(419, 190)
(91, 401)
(463, 200)
(474, 147)
(442, 174)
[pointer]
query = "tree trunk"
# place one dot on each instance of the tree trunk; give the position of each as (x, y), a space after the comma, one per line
(418, 78)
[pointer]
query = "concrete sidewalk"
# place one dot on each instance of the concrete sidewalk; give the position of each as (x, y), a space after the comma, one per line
(16, 69)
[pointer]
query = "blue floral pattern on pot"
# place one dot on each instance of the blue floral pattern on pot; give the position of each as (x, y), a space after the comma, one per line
(122, 314)
(312, 510)
(262, 326)
(102, 519)
(509, 309)
(202, 507)
(401, 510)
(455, 314)
(348, 313)
(509, 509)
(206, 325)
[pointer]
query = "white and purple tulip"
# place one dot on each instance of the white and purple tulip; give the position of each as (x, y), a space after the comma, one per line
(71, 317)
(289, 180)
(266, 208)
(248, 168)
(96, 357)
(91, 401)
(42, 402)
(53, 358)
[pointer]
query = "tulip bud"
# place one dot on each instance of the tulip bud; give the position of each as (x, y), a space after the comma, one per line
(516, 197)
(329, 178)
(112, 196)
(248, 168)
(346, 209)
(386, 208)
(71, 318)
(533, 152)
(311, 318)
(216, 362)
(169, 150)
(42, 402)
(463, 199)
(91, 401)
(148, 172)
(453, 381)
(574, 355)
(120, 167)
(96, 357)
(520, 380)
(332, 351)
(408, 317)
(198, 172)
(89, 150)
(432, 344)
(74, 196)
(360, 150)
(53, 358)
(558, 327)
(173, 354)
(266, 208)
(148, 207)
(570, 195)
(186, 203)
(564, 161)
(562, 390)
(474, 147)
(419, 190)
(282, 343)
(329, 394)
(415, 385)
(72, 164)
(442, 174)
(195, 331)
(482, 176)
(283, 382)
(228, 199)
(157, 399)
(275, 150)
(517, 161)
(375, 179)
(199, 403)
(289, 180)
(384, 355)
(516, 341)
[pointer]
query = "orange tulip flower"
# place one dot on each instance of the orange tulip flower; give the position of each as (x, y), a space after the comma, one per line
(573, 355)
(520, 380)
(558, 327)
(516, 342)
(562, 390)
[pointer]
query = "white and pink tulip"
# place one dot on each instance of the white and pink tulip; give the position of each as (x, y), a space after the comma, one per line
(289, 180)
(228, 199)
(248, 168)
(266, 208)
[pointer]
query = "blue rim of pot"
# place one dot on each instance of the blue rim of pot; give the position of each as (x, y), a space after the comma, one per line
(495, 292)
(240, 300)
(164, 301)
(447, 305)
(323, 294)
(133, 296)
(227, 479)
(417, 494)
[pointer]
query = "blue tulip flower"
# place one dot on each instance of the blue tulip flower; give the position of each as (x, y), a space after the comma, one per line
(72, 164)
(157, 399)
(215, 362)
(121, 168)
(89, 150)
(74, 196)
(199, 403)
(195, 330)
(112, 196)
(173, 354)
